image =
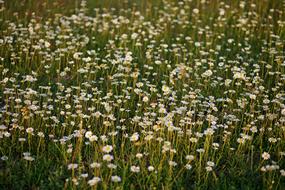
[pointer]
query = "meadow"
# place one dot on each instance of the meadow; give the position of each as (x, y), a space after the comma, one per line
(142, 94)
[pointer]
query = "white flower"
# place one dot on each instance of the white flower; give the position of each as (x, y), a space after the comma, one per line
(196, 11)
(84, 175)
(145, 99)
(209, 131)
(263, 169)
(265, 155)
(69, 150)
(188, 166)
(3, 127)
(282, 172)
(165, 89)
(88, 134)
(4, 158)
(107, 149)
(239, 75)
(116, 178)
(22, 139)
(228, 82)
(190, 157)
(197, 44)
(210, 163)
(148, 137)
(72, 166)
(157, 62)
(29, 158)
(108, 157)
(134, 36)
(200, 150)
(41, 134)
(150, 168)
(135, 169)
(47, 44)
(93, 138)
(30, 130)
(26, 154)
(162, 110)
(95, 165)
(134, 137)
(172, 163)
(207, 73)
(112, 166)
(139, 155)
(30, 78)
(209, 168)
(77, 55)
(283, 111)
(252, 96)
(94, 181)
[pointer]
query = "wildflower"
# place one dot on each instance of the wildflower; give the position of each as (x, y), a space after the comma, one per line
(209, 168)
(94, 181)
(210, 163)
(47, 44)
(112, 166)
(72, 166)
(93, 138)
(172, 163)
(30, 78)
(165, 89)
(283, 111)
(77, 55)
(209, 131)
(207, 73)
(95, 165)
(195, 11)
(265, 155)
(134, 137)
(197, 44)
(88, 134)
(139, 155)
(282, 172)
(135, 169)
(116, 179)
(263, 169)
(84, 175)
(108, 157)
(4, 158)
(145, 99)
(29, 158)
(107, 149)
(252, 96)
(30, 130)
(200, 150)
(150, 168)
(3, 127)
(228, 82)
(239, 75)
(69, 150)
(190, 157)
(188, 166)
(41, 134)
(22, 139)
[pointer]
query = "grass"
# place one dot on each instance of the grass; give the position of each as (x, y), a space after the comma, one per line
(142, 94)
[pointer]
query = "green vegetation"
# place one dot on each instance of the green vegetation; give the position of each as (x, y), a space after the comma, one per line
(142, 94)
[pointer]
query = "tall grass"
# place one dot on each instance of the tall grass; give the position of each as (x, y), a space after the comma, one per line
(142, 94)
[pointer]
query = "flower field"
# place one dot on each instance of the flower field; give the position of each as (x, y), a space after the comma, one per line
(142, 94)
